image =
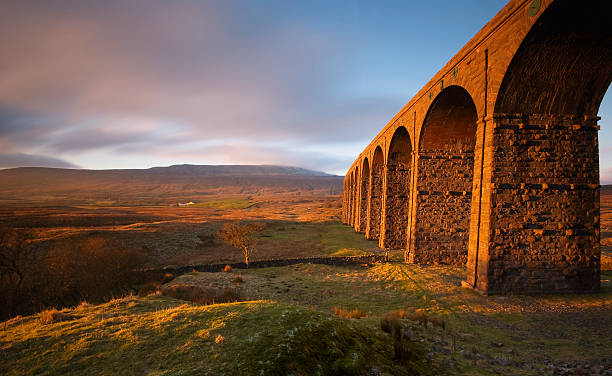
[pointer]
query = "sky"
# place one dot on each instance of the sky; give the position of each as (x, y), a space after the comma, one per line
(143, 83)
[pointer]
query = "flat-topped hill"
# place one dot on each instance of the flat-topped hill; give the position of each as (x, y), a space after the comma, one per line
(159, 185)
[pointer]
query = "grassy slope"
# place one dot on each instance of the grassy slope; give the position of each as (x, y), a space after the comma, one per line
(163, 336)
(501, 335)
(290, 328)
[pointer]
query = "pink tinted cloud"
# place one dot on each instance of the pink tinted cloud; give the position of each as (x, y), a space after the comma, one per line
(79, 76)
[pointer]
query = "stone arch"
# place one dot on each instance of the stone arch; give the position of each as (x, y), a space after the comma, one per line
(397, 191)
(377, 173)
(543, 214)
(445, 168)
(364, 195)
(563, 65)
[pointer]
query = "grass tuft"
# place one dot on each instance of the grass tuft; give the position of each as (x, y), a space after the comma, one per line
(349, 314)
(51, 316)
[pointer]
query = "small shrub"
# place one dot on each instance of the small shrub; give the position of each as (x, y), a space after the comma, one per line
(238, 279)
(348, 314)
(227, 269)
(51, 316)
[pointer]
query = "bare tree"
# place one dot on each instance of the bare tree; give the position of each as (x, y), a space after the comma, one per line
(243, 236)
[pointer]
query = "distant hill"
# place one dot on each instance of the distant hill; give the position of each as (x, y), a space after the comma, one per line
(159, 185)
(225, 170)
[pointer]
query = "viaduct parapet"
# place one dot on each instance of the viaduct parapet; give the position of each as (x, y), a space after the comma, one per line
(494, 163)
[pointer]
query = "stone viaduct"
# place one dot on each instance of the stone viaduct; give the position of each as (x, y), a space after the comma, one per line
(495, 162)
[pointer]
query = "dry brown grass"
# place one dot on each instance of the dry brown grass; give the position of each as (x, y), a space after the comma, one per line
(238, 279)
(390, 323)
(349, 314)
(148, 288)
(390, 320)
(202, 295)
(417, 315)
(52, 316)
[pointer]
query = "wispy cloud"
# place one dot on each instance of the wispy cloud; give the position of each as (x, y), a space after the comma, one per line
(83, 76)
(27, 160)
(154, 81)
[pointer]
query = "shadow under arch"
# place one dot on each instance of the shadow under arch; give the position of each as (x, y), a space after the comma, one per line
(396, 206)
(377, 175)
(564, 64)
(445, 170)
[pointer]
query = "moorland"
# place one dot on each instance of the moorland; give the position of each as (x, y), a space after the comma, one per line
(299, 319)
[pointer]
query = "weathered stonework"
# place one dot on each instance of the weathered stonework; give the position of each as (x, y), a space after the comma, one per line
(494, 162)
(443, 206)
(396, 214)
(364, 194)
(397, 192)
(357, 201)
(376, 192)
(545, 198)
(354, 193)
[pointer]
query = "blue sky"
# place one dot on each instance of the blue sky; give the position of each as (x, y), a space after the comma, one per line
(142, 83)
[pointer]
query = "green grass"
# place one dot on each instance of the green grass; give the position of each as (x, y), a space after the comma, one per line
(327, 238)
(288, 327)
(162, 336)
(558, 328)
